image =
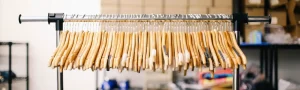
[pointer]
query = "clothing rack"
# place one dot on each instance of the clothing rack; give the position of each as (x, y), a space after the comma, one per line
(60, 18)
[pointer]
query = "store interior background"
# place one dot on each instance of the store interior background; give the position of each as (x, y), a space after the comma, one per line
(41, 38)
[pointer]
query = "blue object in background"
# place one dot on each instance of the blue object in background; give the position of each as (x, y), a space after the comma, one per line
(125, 85)
(110, 85)
(208, 76)
(255, 37)
(5, 75)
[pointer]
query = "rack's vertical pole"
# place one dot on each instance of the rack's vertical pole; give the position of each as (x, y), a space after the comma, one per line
(59, 74)
(57, 18)
(9, 66)
(237, 7)
(97, 72)
(236, 84)
(27, 66)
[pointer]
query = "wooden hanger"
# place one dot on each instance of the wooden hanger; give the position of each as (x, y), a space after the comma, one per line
(230, 45)
(113, 49)
(191, 49)
(226, 49)
(93, 42)
(211, 48)
(57, 50)
(89, 52)
(132, 50)
(207, 51)
(135, 58)
(175, 47)
(201, 48)
(169, 48)
(152, 51)
(68, 62)
(76, 49)
(159, 62)
(148, 51)
(185, 52)
(125, 51)
(120, 47)
(95, 49)
(145, 49)
(238, 50)
(219, 52)
(57, 58)
(86, 49)
(195, 45)
(101, 49)
(179, 48)
(165, 51)
(106, 56)
(140, 50)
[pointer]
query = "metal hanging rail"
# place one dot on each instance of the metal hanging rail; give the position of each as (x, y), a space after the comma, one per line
(59, 18)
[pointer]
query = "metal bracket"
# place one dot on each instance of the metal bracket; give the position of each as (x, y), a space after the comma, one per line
(58, 19)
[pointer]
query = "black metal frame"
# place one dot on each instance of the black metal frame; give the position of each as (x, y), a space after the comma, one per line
(10, 63)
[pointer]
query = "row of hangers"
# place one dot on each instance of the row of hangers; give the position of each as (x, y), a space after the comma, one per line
(153, 45)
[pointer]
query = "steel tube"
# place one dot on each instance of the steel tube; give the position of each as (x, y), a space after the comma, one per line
(33, 18)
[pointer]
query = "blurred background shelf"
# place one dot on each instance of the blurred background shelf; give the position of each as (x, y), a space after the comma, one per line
(10, 81)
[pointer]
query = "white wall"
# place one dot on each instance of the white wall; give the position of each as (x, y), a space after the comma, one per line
(41, 37)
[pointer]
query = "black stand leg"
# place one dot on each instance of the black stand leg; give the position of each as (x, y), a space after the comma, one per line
(97, 72)
(27, 66)
(271, 53)
(266, 64)
(261, 59)
(9, 66)
(276, 68)
(61, 81)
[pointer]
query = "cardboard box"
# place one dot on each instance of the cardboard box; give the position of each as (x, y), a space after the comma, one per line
(109, 10)
(298, 31)
(222, 3)
(278, 17)
(218, 10)
(290, 9)
(131, 10)
(198, 10)
(153, 3)
(250, 28)
(131, 2)
(298, 3)
(153, 10)
(201, 3)
(255, 11)
(175, 10)
(256, 3)
(176, 3)
(275, 3)
(105, 2)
